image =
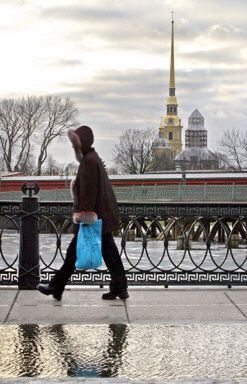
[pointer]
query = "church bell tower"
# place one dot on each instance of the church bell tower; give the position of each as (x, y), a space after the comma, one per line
(170, 128)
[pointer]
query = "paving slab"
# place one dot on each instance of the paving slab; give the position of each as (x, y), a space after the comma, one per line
(55, 314)
(189, 314)
(239, 297)
(177, 305)
(4, 309)
(7, 297)
(82, 297)
(178, 297)
(77, 307)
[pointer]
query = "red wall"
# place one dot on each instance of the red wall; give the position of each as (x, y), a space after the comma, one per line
(15, 185)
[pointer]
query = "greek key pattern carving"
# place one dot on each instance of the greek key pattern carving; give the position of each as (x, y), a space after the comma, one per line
(154, 278)
(9, 208)
(183, 209)
(62, 208)
(8, 278)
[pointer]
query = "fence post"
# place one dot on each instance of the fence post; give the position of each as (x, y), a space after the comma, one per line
(155, 191)
(205, 191)
(179, 191)
(29, 270)
(233, 191)
(133, 192)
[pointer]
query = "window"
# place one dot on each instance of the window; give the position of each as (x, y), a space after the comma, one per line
(170, 136)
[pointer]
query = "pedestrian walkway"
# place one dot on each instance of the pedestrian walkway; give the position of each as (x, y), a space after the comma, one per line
(171, 336)
(145, 306)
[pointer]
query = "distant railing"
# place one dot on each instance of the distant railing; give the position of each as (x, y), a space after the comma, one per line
(180, 192)
(156, 246)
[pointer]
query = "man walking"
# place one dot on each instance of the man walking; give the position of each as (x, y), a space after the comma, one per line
(93, 199)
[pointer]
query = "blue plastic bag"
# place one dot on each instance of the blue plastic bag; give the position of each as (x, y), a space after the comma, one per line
(88, 246)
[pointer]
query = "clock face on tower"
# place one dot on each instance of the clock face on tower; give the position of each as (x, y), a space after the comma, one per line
(170, 121)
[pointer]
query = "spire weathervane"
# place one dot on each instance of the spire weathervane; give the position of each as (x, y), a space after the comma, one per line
(172, 69)
(172, 16)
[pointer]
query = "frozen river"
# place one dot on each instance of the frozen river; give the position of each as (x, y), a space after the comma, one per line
(136, 257)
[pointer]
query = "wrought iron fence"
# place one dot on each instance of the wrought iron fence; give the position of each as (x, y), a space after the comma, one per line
(158, 245)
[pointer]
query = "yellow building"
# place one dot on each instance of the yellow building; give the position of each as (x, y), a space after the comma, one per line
(170, 128)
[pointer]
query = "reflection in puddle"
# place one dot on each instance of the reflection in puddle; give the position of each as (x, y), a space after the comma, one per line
(60, 350)
(137, 351)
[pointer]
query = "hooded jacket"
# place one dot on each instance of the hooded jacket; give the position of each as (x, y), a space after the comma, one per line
(93, 193)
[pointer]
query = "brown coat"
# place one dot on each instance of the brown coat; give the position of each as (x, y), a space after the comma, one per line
(93, 191)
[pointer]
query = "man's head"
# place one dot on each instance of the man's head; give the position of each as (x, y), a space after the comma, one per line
(82, 139)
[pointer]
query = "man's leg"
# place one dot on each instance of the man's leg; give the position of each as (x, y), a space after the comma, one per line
(118, 285)
(60, 279)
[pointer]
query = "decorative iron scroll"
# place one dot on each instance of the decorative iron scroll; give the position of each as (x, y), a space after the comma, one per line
(8, 265)
(157, 248)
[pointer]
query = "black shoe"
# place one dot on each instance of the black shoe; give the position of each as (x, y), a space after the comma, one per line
(123, 295)
(46, 289)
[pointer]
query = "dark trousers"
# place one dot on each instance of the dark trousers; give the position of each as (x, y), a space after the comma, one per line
(112, 260)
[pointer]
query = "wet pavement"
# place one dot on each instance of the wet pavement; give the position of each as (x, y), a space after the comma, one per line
(117, 350)
(121, 381)
(159, 335)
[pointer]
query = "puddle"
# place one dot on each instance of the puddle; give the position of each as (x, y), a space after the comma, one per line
(136, 351)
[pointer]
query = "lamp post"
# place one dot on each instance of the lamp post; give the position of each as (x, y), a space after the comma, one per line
(29, 264)
(182, 166)
(184, 169)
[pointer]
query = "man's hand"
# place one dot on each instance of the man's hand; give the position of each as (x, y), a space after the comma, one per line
(86, 217)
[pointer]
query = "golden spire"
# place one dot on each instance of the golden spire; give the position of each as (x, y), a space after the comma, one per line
(172, 69)
(170, 126)
(172, 100)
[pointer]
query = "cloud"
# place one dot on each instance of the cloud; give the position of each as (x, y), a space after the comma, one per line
(66, 62)
(85, 13)
(112, 59)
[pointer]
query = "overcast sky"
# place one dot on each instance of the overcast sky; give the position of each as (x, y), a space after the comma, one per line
(111, 57)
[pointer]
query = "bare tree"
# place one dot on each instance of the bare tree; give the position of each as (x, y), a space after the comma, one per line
(233, 147)
(19, 118)
(51, 166)
(70, 169)
(29, 125)
(133, 154)
(28, 165)
(112, 171)
(30, 119)
(59, 115)
(2, 165)
(221, 161)
(164, 161)
(10, 131)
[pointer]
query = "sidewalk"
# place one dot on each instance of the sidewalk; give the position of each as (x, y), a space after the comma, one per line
(173, 336)
(145, 306)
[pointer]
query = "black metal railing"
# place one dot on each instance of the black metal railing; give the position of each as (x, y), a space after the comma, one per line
(156, 249)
